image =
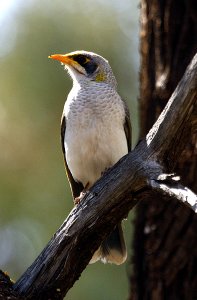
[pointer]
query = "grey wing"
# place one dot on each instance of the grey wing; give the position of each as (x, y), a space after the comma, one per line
(127, 126)
(76, 187)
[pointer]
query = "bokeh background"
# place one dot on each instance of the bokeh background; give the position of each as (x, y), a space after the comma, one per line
(35, 196)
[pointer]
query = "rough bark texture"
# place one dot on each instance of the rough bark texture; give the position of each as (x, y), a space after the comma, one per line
(6, 288)
(165, 239)
(168, 43)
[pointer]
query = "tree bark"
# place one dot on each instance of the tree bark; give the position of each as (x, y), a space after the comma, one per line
(6, 288)
(165, 239)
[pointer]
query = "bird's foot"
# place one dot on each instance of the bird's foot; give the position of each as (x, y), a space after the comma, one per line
(78, 199)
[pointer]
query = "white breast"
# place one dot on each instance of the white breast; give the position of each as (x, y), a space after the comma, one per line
(95, 138)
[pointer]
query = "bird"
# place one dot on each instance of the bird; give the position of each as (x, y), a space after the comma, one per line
(95, 134)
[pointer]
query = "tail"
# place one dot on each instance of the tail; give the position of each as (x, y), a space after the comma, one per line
(113, 249)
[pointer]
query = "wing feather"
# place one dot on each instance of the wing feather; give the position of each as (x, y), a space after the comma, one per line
(76, 187)
(127, 127)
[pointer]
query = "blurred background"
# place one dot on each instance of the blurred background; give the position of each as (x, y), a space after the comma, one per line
(35, 196)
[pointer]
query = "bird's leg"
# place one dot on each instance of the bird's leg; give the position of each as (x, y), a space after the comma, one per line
(78, 199)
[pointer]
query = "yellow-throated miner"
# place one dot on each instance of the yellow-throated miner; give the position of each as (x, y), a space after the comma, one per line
(95, 133)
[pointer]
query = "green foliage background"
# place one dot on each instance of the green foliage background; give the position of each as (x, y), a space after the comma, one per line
(35, 196)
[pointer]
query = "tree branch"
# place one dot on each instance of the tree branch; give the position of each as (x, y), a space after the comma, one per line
(6, 288)
(170, 185)
(64, 258)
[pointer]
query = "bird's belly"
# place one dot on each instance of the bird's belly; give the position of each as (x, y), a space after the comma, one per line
(90, 152)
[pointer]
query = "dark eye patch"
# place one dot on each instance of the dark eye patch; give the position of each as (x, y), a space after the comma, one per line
(87, 63)
(81, 59)
(90, 67)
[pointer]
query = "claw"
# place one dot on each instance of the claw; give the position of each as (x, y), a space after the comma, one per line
(78, 199)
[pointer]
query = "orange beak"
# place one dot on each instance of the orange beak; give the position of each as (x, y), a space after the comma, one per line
(63, 58)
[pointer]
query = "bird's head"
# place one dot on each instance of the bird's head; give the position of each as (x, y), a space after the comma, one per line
(88, 66)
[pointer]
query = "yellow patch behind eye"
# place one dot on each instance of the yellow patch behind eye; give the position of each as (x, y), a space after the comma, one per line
(100, 77)
(86, 60)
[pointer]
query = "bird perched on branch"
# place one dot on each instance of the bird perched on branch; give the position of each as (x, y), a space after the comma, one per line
(95, 133)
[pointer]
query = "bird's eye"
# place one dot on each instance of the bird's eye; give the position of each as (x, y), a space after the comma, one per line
(82, 59)
(87, 63)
